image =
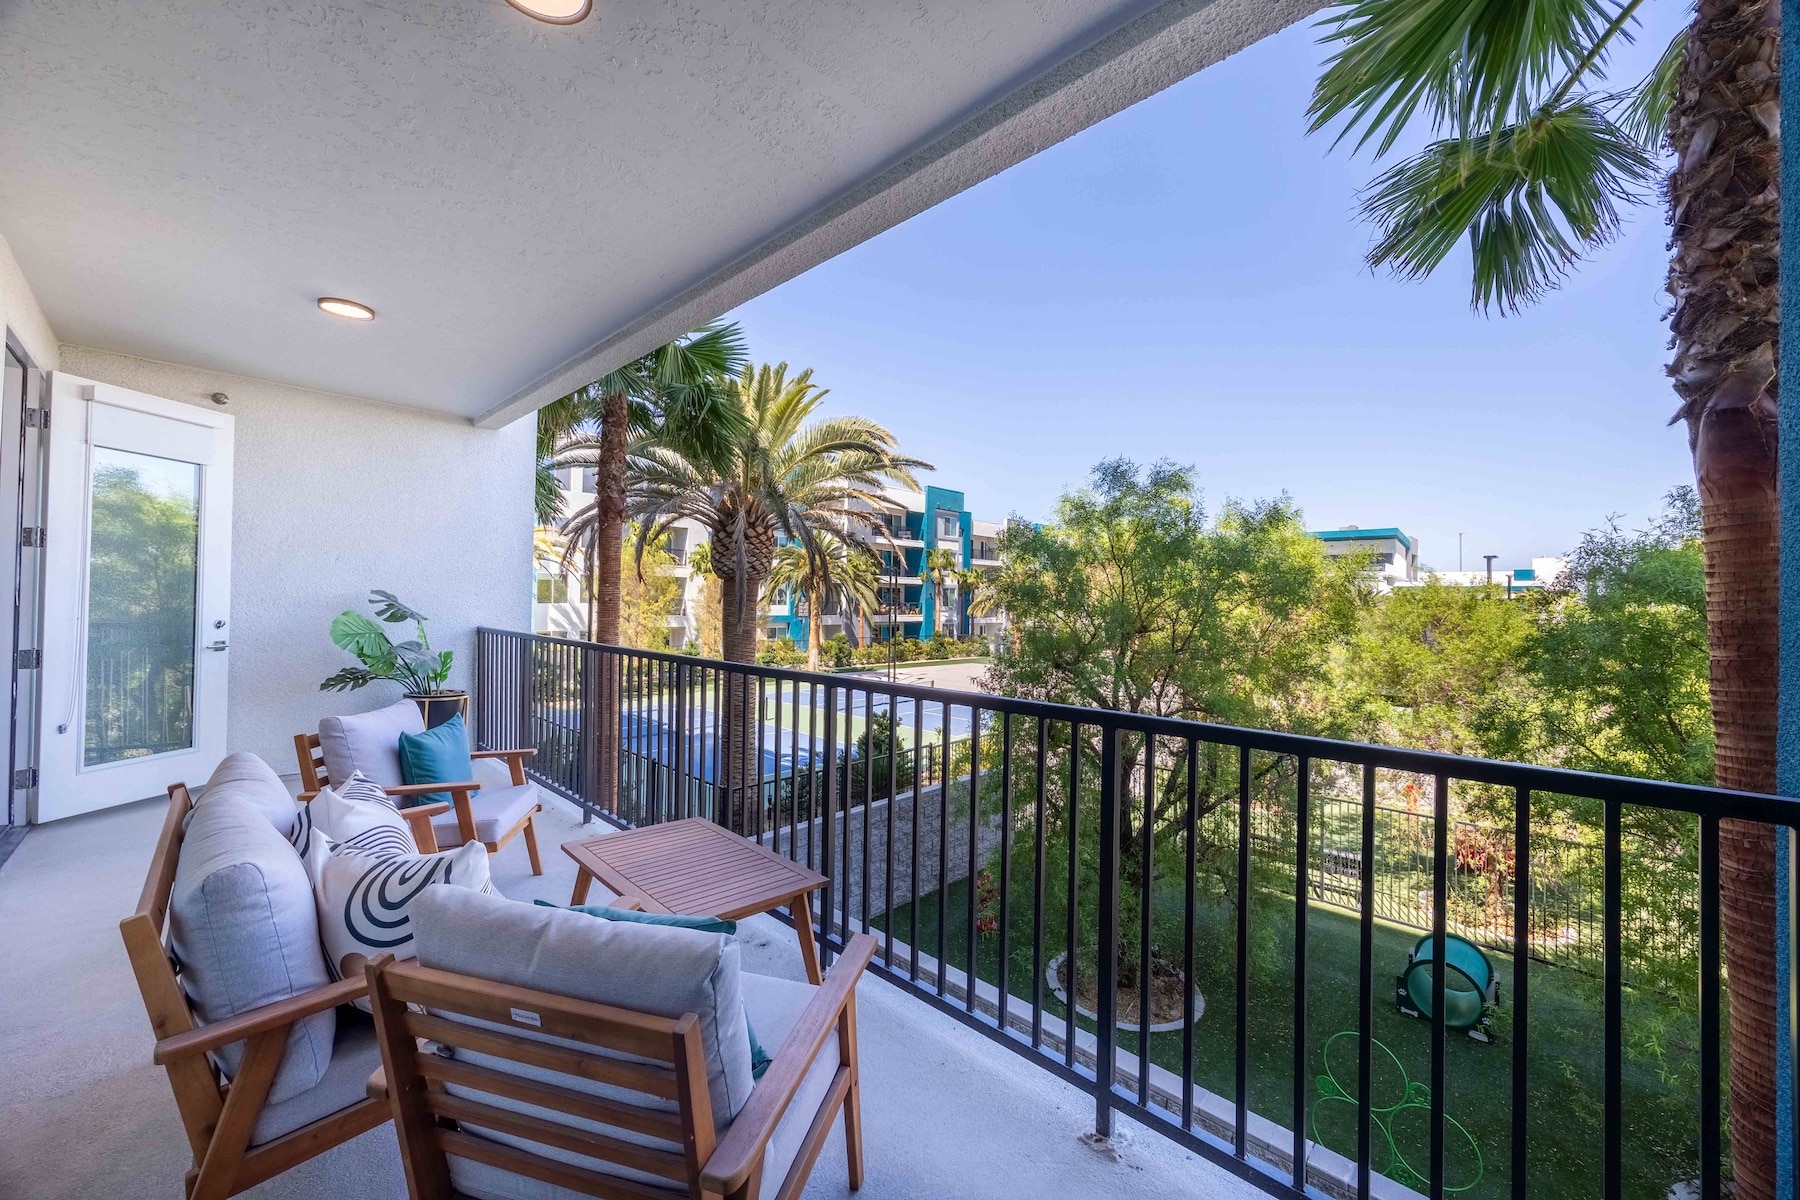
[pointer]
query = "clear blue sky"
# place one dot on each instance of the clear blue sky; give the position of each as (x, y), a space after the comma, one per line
(1185, 280)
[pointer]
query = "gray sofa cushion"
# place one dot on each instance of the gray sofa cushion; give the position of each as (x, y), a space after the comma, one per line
(495, 812)
(368, 742)
(648, 968)
(248, 777)
(243, 926)
(354, 1056)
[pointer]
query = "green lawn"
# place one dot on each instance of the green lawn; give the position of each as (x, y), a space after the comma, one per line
(1565, 1117)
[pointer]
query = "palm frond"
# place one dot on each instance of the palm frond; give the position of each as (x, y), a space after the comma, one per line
(1643, 111)
(1532, 199)
(1461, 64)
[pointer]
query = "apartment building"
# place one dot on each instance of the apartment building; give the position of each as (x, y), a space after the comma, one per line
(1394, 556)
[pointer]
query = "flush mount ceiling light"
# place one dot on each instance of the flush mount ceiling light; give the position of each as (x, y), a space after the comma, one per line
(556, 12)
(348, 309)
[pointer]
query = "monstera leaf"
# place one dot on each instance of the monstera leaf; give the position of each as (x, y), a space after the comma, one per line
(411, 663)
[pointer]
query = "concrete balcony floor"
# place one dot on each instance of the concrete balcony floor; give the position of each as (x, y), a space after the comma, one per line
(84, 1113)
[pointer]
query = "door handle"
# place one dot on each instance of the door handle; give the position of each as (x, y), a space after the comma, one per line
(217, 646)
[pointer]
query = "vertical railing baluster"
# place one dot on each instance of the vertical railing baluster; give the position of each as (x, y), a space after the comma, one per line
(1710, 1139)
(943, 915)
(918, 820)
(1006, 817)
(893, 802)
(1302, 887)
(775, 790)
(828, 866)
(1040, 791)
(1521, 1000)
(1440, 905)
(1614, 1023)
(1107, 958)
(1365, 998)
(1240, 1126)
(974, 850)
(1147, 831)
(1070, 985)
(868, 797)
(1190, 828)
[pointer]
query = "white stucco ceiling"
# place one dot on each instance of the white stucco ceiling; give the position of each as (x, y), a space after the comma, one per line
(523, 205)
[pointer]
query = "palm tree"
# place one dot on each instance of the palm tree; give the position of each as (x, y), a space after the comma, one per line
(1532, 160)
(938, 568)
(785, 475)
(841, 570)
(674, 393)
(980, 598)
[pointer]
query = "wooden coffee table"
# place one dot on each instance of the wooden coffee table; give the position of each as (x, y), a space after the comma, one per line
(697, 868)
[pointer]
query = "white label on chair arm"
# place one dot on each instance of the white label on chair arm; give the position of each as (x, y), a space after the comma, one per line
(524, 1017)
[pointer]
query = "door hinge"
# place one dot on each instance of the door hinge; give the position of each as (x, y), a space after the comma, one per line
(32, 537)
(37, 418)
(25, 778)
(29, 660)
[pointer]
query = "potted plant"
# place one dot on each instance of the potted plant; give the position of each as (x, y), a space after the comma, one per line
(413, 664)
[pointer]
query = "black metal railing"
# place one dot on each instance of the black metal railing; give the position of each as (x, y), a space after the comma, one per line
(1087, 886)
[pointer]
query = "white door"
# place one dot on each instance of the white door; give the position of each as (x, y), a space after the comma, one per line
(137, 591)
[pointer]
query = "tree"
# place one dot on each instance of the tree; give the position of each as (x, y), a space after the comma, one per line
(841, 571)
(673, 394)
(938, 567)
(649, 597)
(1134, 600)
(709, 615)
(1531, 162)
(783, 474)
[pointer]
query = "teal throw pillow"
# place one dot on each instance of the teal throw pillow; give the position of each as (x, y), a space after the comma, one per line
(759, 1058)
(439, 755)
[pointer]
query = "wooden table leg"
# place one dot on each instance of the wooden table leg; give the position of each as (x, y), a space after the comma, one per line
(584, 879)
(800, 910)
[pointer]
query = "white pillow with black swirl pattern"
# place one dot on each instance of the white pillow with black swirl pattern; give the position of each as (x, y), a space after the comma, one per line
(365, 889)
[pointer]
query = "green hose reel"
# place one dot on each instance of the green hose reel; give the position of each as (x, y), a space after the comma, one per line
(1470, 988)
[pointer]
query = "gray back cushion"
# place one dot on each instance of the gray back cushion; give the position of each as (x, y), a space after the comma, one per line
(646, 968)
(243, 926)
(368, 742)
(247, 777)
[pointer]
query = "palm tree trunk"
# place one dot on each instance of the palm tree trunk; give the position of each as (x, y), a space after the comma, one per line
(738, 723)
(1725, 128)
(609, 503)
(815, 612)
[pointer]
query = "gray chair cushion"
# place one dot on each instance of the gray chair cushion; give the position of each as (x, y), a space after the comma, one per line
(243, 926)
(647, 968)
(248, 777)
(354, 1056)
(774, 1006)
(495, 811)
(368, 742)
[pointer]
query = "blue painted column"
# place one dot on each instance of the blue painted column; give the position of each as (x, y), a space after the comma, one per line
(1788, 743)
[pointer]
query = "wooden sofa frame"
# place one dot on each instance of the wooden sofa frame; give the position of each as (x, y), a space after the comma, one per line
(220, 1116)
(313, 777)
(667, 1063)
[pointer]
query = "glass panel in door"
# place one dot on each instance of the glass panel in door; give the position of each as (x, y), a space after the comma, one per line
(141, 606)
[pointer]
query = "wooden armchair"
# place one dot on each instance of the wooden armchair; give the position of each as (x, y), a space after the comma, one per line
(220, 1117)
(666, 1063)
(420, 817)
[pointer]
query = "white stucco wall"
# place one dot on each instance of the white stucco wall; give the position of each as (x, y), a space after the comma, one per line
(334, 496)
(20, 312)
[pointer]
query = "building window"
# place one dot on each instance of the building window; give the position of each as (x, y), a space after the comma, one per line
(948, 526)
(589, 480)
(552, 589)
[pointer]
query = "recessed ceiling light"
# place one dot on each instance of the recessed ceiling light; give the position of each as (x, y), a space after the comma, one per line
(556, 12)
(348, 309)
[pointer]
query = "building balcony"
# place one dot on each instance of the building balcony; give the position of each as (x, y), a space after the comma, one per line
(905, 617)
(984, 562)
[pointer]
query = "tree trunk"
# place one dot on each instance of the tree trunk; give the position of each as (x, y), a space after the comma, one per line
(1725, 239)
(815, 610)
(609, 505)
(738, 722)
